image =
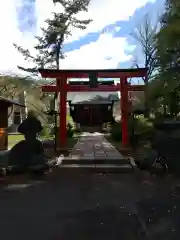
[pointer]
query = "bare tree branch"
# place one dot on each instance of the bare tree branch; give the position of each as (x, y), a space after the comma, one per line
(145, 36)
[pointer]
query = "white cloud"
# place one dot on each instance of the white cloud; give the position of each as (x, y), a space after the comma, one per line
(91, 55)
(107, 13)
(9, 57)
(45, 11)
(9, 33)
(106, 52)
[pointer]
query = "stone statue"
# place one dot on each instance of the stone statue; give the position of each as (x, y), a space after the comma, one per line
(30, 127)
(29, 153)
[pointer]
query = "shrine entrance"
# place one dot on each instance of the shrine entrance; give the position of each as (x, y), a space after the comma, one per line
(89, 114)
(91, 108)
(63, 87)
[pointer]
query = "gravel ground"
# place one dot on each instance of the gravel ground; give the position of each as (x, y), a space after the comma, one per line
(78, 205)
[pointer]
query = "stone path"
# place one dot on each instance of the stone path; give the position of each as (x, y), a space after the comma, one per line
(94, 152)
(94, 146)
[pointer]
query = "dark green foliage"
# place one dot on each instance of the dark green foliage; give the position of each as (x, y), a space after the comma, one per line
(138, 130)
(76, 130)
(46, 131)
(70, 131)
(167, 147)
(116, 131)
(168, 57)
(167, 126)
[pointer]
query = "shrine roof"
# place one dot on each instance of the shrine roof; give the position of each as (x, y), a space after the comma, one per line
(92, 97)
(10, 102)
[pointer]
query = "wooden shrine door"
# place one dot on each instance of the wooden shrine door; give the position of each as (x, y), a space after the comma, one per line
(91, 115)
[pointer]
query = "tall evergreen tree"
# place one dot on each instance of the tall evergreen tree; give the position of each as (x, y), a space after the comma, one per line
(168, 40)
(50, 44)
(168, 54)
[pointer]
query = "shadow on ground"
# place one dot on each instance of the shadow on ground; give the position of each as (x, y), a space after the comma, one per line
(90, 206)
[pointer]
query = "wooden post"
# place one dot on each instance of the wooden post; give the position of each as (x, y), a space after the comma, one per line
(62, 83)
(124, 110)
(3, 126)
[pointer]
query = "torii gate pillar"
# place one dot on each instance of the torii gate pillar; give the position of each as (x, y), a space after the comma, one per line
(62, 134)
(124, 110)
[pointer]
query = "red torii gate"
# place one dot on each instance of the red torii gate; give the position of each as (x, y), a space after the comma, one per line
(63, 87)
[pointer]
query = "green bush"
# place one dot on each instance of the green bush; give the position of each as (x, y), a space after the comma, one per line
(143, 127)
(138, 127)
(45, 131)
(76, 130)
(70, 130)
(116, 131)
(107, 127)
(52, 131)
(70, 133)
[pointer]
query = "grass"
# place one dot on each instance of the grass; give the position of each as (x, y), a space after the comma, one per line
(15, 138)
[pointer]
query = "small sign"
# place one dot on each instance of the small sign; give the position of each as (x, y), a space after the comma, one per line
(93, 80)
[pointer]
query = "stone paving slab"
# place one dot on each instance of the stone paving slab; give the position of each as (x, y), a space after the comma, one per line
(92, 146)
(94, 153)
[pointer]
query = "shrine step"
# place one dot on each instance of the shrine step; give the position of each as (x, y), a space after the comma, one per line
(91, 129)
(100, 161)
(125, 164)
(98, 168)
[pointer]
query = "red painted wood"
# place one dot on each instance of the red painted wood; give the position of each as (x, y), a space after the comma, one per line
(110, 73)
(63, 112)
(78, 88)
(124, 111)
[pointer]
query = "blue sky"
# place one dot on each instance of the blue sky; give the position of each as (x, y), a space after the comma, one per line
(106, 43)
